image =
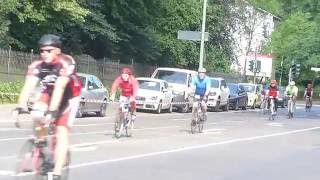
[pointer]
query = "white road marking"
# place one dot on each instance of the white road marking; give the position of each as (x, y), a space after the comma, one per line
(275, 124)
(183, 119)
(96, 124)
(82, 149)
(13, 129)
(191, 148)
(6, 173)
(92, 144)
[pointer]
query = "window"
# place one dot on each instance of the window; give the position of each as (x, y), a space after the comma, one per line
(90, 82)
(166, 86)
(149, 85)
(97, 83)
(214, 83)
(83, 81)
(172, 76)
(223, 84)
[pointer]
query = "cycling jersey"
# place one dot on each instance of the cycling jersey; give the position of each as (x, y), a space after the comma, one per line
(201, 85)
(62, 65)
(273, 91)
(309, 91)
(292, 90)
(128, 88)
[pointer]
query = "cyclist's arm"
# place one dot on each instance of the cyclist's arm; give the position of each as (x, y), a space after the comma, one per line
(208, 86)
(193, 86)
(29, 85)
(135, 85)
(58, 91)
(115, 85)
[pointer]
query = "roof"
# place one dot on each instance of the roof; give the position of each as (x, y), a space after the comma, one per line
(150, 79)
(176, 69)
(217, 78)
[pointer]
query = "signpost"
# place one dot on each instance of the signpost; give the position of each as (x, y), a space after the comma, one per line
(192, 35)
(315, 69)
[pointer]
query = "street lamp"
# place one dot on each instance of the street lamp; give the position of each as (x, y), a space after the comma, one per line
(204, 12)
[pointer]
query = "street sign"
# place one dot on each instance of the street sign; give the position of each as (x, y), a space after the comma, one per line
(315, 69)
(192, 35)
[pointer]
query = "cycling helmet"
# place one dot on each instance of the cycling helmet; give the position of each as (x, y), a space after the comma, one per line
(202, 70)
(50, 40)
(126, 71)
(273, 81)
(292, 83)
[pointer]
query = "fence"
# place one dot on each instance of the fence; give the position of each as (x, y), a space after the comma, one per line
(13, 66)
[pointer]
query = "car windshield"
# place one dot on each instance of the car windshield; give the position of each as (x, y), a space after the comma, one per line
(172, 76)
(233, 88)
(214, 83)
(149, 85)
(248, 88)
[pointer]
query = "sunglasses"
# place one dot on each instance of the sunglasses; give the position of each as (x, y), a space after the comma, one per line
(46, 50)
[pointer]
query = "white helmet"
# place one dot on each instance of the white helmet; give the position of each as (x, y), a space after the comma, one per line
(202, 70)
(292, 83)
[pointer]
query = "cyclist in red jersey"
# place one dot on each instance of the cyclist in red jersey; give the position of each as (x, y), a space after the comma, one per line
(129, 87)
(59, 97)
(309, 92)
(273, 92)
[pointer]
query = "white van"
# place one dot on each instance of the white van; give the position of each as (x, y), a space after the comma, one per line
(180, 83)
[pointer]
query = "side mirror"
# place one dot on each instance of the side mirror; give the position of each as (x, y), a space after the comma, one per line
(164, 90)
(90, 87)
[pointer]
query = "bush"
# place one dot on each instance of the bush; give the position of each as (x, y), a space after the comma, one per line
(9, 91)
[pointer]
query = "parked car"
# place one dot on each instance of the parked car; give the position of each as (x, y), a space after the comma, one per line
(94, 96)
(238, 96)
(219, 94)
(154, 94)
(254, 94)
(282, 100)
(179, 81)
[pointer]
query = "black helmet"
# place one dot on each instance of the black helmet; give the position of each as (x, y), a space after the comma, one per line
(50, 40)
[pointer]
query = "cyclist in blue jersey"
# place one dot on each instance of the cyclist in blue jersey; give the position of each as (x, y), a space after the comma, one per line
(201, 85)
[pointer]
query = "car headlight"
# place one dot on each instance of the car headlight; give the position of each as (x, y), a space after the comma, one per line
(178, 93)
(212, 94)
(154, 97)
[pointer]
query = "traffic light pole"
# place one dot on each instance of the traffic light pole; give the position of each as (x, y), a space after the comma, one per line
(255, 66)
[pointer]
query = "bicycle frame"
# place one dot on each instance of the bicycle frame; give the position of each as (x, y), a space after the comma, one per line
(197, 115)
(291, 107)
(124, 120)
(272, 108)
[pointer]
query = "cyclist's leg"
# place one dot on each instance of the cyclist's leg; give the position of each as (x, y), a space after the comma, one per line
(63, 125)
(133, 109)
(275, 104)
(204, 109)
(38, 114)
(194, 109)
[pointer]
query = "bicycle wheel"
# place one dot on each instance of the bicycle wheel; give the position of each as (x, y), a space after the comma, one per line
(118, 126)
(129, 126)
(29, 162)
(194, 121)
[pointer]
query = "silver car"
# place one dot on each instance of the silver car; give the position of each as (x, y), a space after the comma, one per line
(94, 96)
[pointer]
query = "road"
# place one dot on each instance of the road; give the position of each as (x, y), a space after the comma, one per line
(234, 145)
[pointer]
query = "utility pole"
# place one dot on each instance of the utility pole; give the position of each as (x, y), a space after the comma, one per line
(281, 65)
(204, 12)
(255, 66)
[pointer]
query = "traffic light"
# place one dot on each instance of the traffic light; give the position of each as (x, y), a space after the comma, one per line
(258, 68)
(295, 69)
(251, 65)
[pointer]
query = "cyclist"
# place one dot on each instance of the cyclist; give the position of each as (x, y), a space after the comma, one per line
(59, 98)
(292, 90)
(273, 91)
(129, 87)
(308, 92)
(201, 85)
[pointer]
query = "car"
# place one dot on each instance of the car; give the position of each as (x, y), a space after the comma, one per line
(238, 96)
(94, 96)
(218, 95)
(254, 94)
(154, 94)
(282, 100)
(179, 81)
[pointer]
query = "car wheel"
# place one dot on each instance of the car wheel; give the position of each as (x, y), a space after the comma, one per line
(158, 111)
(170, 108)
(236, 106)
(185, 107)
(216, 108)
(80, 111)
(254, 105)
(245, 105)
(103, 110)
(226, 107)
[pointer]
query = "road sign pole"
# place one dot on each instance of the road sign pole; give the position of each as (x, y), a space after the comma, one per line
(204, 12)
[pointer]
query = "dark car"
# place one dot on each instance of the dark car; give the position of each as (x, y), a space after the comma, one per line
(238, 96)
(282, 100)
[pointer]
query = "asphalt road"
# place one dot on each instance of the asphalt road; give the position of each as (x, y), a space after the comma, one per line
(234, 145)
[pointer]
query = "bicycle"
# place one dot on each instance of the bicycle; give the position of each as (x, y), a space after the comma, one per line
(291, 107)
(264, 105)
(272, 109)
(36, 157)
(198, 116)
(124, 122)
(308, 104)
